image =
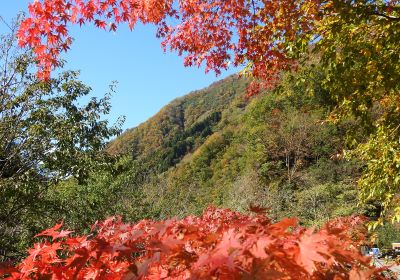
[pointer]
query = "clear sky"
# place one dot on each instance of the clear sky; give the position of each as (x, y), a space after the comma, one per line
(147, 77)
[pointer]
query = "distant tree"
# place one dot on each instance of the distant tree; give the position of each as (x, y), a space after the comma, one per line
(45, 137)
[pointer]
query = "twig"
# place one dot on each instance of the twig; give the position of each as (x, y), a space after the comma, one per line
(2, 19)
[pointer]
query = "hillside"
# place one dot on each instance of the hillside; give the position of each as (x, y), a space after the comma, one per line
(181, 126)
(274, 151)
(214, 146)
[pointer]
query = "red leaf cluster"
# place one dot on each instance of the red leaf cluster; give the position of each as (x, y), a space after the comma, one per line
(220, 244)
(213, 32)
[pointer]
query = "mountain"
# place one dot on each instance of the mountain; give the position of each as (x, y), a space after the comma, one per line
(215, 146)
(181, 126)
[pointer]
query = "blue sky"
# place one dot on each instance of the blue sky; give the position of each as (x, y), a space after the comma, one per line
(147, 77)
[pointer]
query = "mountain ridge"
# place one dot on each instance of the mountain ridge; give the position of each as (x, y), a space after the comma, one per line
(180, 114)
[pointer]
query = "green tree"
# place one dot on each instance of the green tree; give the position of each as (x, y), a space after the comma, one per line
(359, 68)
(45, 137)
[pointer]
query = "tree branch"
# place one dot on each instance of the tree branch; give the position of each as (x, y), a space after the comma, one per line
(386, 16)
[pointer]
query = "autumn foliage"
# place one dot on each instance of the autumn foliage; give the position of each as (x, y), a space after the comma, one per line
(267, 36)
(214, 32)
(220, 244)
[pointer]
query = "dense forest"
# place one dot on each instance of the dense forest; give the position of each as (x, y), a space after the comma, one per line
(217, 147)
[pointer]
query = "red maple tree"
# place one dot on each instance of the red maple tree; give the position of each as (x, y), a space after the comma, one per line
(220, 244)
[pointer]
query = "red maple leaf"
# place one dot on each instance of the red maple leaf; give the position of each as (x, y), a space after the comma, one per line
(311, 245)
(100, 24)
(54, 233)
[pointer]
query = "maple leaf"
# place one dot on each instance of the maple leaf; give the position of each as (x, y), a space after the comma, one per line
(61, 29)
(258, 250)
(40, 50)
(282, 226)
(74, 14)
(113, 27)
(207, 38)
(100, 24)
(54, 233)
(81, 21)
(62, 234)
(37, 250)
(310, 246)
(50, 231)
(73, 242)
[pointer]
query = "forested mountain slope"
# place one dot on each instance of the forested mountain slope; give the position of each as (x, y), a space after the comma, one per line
(183, 120)
(214, 146)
